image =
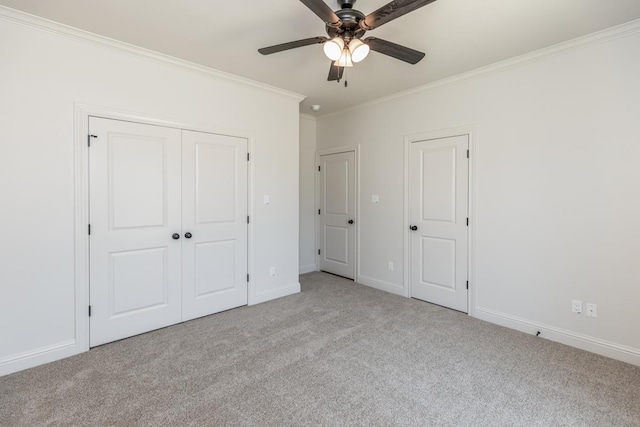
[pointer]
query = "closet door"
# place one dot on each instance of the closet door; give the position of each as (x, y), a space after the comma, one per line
(135, 217)
(214, 215)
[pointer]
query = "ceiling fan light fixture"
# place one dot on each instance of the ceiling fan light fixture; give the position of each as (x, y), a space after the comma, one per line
(333, 48)
(345, 59)
(358, 49)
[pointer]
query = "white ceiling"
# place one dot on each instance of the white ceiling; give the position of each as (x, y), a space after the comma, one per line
(457, 36)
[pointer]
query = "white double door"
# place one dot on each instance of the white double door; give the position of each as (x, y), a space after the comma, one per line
(168, 233)
(337, 214)
(438, 191)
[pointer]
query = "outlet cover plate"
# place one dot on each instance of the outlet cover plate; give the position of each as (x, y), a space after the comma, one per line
(576, 306)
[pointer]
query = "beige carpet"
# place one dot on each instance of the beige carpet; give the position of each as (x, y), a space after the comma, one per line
(336, 354)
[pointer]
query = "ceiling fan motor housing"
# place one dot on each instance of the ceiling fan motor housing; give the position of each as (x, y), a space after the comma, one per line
(350, 21)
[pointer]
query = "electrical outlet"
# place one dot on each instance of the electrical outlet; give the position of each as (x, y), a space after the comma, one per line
(375, 198)
(576, 306)
(592, 310)
(390, 266)
(272, 271)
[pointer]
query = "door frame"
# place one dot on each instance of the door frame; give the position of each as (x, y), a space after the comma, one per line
(471, 133)
(355, 148)
(82, 113)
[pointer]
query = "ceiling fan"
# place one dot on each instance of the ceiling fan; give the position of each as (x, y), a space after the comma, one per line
(345, 28)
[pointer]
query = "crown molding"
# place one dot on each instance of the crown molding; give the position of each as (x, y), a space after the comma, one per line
(307, 116)
(612, 33)
(39, 23)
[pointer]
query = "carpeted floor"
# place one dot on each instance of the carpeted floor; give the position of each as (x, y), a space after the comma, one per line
(338, 353)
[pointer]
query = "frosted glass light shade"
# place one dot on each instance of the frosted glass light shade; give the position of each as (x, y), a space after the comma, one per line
(333, 48)
(345, 59)
(359, 50)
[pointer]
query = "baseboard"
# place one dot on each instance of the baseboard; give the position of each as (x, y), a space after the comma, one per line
(563, 336)
(40, 356)
(308, 268)
(382, 285)
(276, 293)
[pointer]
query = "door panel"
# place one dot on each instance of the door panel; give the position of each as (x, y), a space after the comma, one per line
(214, 191)
(337, 244)
(137, 280)
(337, 181)
(215, 269)
(135, 162)
(216, 182)
(439, 209)
(337, 208)
(438, 262)
(439, 184)
(135, 208)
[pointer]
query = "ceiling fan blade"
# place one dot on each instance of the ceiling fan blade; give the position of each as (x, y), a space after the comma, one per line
(324, 12)
(397, 51)
(292, 45)
(335, 72)
(391, 11)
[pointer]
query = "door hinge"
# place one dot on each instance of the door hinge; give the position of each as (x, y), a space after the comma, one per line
(467, 154)
(89, 229)
(89, 311)
(248, 157)
(467, 222)
(318, 168)
(247, 219)
(318, 211)
(318, 251)
(247, 277)
(467, 284)
(89, 139)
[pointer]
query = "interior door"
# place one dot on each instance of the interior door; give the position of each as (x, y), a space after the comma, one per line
(135, 217)
(439, 213)
(214, 194)
(337, 213)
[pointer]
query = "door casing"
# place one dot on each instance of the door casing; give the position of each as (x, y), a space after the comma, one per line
(470, 132)
(82, 112)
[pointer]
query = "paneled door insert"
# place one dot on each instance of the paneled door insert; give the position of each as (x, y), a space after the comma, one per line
(168, 234)
(439, 181)
(337, 213)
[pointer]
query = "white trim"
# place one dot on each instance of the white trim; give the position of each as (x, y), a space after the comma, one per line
(276, 293)
(470, 131)
(82, 112)
(29, 359)
(251, 255)
(308, 268)
(584, 342)
(381, 285)
(342, 149)
(19, 17)
(308, 117)
(619, 31)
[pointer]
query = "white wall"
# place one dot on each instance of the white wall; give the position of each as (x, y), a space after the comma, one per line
(43, 74)
(557, 186)
(307, 193)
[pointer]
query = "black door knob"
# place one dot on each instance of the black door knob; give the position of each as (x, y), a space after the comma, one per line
(175, 236)
(350, 221)
(413, 227)
(188, 235)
